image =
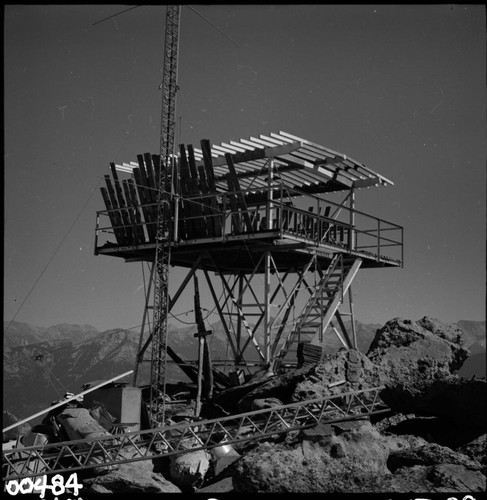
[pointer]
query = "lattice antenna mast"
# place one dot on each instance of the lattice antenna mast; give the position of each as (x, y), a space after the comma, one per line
(164, 229)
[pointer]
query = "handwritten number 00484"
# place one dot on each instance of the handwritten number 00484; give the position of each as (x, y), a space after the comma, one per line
(39, 485)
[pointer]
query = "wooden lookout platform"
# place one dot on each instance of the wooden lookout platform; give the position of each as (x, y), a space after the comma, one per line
(276, 205)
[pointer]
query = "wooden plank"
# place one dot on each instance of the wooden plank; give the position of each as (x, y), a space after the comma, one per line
(205, 190)
(134, 215)
(150, 194)
(111, 215)
(143, 176)
(255, 218)
(210, 178)
(150, 176)
(116, 212)
(197, 208)
(240, 196)
(130, 213)
(149, 221)
(236, 225)
(286, 215)
(156, 162)
(122, 205)
(137, 209)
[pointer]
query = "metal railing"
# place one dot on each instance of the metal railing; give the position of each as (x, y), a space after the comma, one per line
(324, 223)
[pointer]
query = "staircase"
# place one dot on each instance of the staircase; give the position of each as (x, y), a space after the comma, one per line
(322, 305)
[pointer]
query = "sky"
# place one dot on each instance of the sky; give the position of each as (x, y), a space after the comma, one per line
(400, 88)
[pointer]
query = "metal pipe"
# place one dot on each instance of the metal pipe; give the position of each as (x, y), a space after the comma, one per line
(65, 401)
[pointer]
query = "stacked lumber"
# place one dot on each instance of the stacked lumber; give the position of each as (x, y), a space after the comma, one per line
(241, 221)
(309, 354)
(210, 183)
(199, 208)
(132, 203)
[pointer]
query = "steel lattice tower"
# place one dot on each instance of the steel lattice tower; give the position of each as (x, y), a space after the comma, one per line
(164, 232)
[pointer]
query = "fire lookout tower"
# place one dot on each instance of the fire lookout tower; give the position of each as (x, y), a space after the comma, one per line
(272, 225)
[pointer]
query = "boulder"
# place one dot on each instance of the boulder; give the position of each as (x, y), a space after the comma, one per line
(418, 362)
(132, 477)
(188, 470)
(442, 478)
(353, 457)
(343, 371)
(417, 352)
(476, 450)
(429, 454)
(429, 429)
(328, 458)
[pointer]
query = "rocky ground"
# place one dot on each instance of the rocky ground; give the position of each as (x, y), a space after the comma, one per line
(432, 441)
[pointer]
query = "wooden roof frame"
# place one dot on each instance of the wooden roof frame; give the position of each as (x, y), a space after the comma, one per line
(299, 163)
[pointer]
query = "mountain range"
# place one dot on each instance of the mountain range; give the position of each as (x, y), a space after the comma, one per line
(41, 364)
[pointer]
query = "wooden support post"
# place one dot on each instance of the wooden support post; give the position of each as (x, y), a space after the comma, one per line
(352, 318)
(207, 384)
(201, 336)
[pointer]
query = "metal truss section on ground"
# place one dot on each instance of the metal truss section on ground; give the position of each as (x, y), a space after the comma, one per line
(93, 453)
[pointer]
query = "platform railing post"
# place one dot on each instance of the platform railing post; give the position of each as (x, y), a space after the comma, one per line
(269, 211)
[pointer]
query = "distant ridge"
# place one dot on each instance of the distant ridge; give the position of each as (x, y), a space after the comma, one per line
(71, 355)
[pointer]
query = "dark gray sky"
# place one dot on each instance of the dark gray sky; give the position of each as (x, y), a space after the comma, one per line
(399, 88)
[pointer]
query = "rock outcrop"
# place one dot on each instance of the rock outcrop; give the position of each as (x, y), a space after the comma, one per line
(346, 458)
(442, 478)
(417, 352)
(477, 450)
(429, 454)
(353, 457)
(418, 361)
(434, 441)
